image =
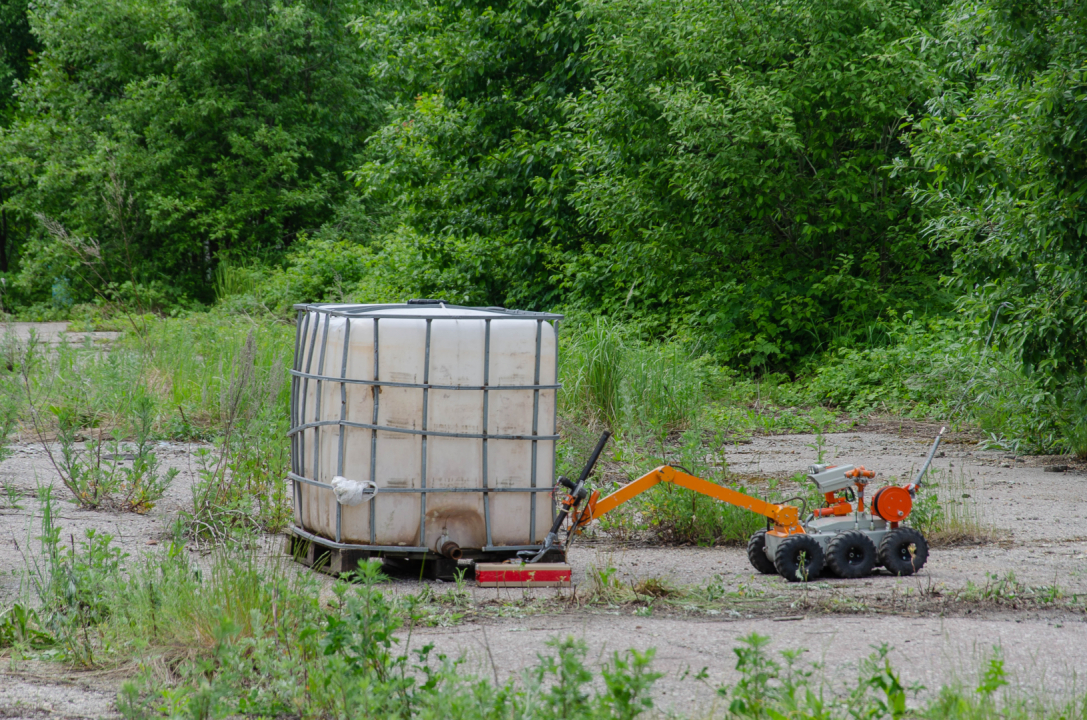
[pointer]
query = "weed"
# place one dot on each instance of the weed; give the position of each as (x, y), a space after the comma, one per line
(11, 494)
(143, 484)
(21, 625)
(947, 511)
(98, 479)
(604, 584)
(1008, 590)
(655, 588)
(819, 446)
(70, 581)
(715, 589)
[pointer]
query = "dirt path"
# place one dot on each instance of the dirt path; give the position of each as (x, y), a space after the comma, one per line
(1040, 535)
(54, 333)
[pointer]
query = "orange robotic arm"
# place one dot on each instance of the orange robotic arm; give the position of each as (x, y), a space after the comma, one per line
(786, 518)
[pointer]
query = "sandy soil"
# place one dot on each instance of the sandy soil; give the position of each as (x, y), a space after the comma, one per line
(1038, 532)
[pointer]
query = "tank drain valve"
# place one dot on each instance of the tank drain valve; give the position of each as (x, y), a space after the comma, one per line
(444, 545)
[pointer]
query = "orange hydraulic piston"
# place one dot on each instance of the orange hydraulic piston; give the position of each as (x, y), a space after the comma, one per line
(785, 517)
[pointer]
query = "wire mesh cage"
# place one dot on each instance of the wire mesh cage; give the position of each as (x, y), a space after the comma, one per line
(448, 415)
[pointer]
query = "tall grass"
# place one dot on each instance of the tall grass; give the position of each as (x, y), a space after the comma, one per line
(174, 603)
(613, 380)
(664, 389)
(593, 359)
(193, 364)
(206, 377)
(185, 366)
(231, 280)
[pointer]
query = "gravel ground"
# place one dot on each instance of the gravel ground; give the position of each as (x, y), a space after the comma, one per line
(933, 641)
(932, 651)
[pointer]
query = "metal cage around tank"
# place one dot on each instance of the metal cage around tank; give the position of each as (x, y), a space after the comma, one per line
(303, 418)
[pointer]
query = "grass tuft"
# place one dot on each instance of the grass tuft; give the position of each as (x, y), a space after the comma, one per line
(947, 510)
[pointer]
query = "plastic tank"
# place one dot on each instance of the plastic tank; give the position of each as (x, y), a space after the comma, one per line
(449, 411)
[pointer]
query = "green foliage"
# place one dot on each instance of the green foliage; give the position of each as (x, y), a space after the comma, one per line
(327, 268)
(764, 183)
(731, 155)
(158, 138)
(245, 635)
(619, 159)
(1004, 145)
(612, 379)
(942, 368)
(17, 49)
(469, 164)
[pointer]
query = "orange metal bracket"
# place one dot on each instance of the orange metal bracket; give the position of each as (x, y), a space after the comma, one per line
(785, 517)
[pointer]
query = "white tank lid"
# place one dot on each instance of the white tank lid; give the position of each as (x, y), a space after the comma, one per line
(422, 309)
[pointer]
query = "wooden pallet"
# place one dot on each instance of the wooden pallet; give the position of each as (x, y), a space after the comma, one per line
(338, 561)
(323, 558)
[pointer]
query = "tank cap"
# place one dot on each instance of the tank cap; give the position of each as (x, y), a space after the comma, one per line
(426, 301)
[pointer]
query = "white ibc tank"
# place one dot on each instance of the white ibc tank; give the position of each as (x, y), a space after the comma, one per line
(449, 411)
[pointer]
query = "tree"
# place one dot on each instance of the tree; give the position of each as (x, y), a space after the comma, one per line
(712, 167)
(471, 170)
(17, 48)
(162, 137)
(734, 156)
(1004, 145)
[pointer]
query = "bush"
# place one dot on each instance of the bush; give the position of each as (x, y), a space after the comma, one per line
(943, 368)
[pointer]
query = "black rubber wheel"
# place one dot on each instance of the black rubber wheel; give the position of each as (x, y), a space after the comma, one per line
(756, 553)
(799, 559)
(851, 555)
(903, 551)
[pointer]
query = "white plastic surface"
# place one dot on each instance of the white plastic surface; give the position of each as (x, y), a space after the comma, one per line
(456, 359)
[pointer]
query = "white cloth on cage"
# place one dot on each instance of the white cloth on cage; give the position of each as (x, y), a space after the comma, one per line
(353, 492)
